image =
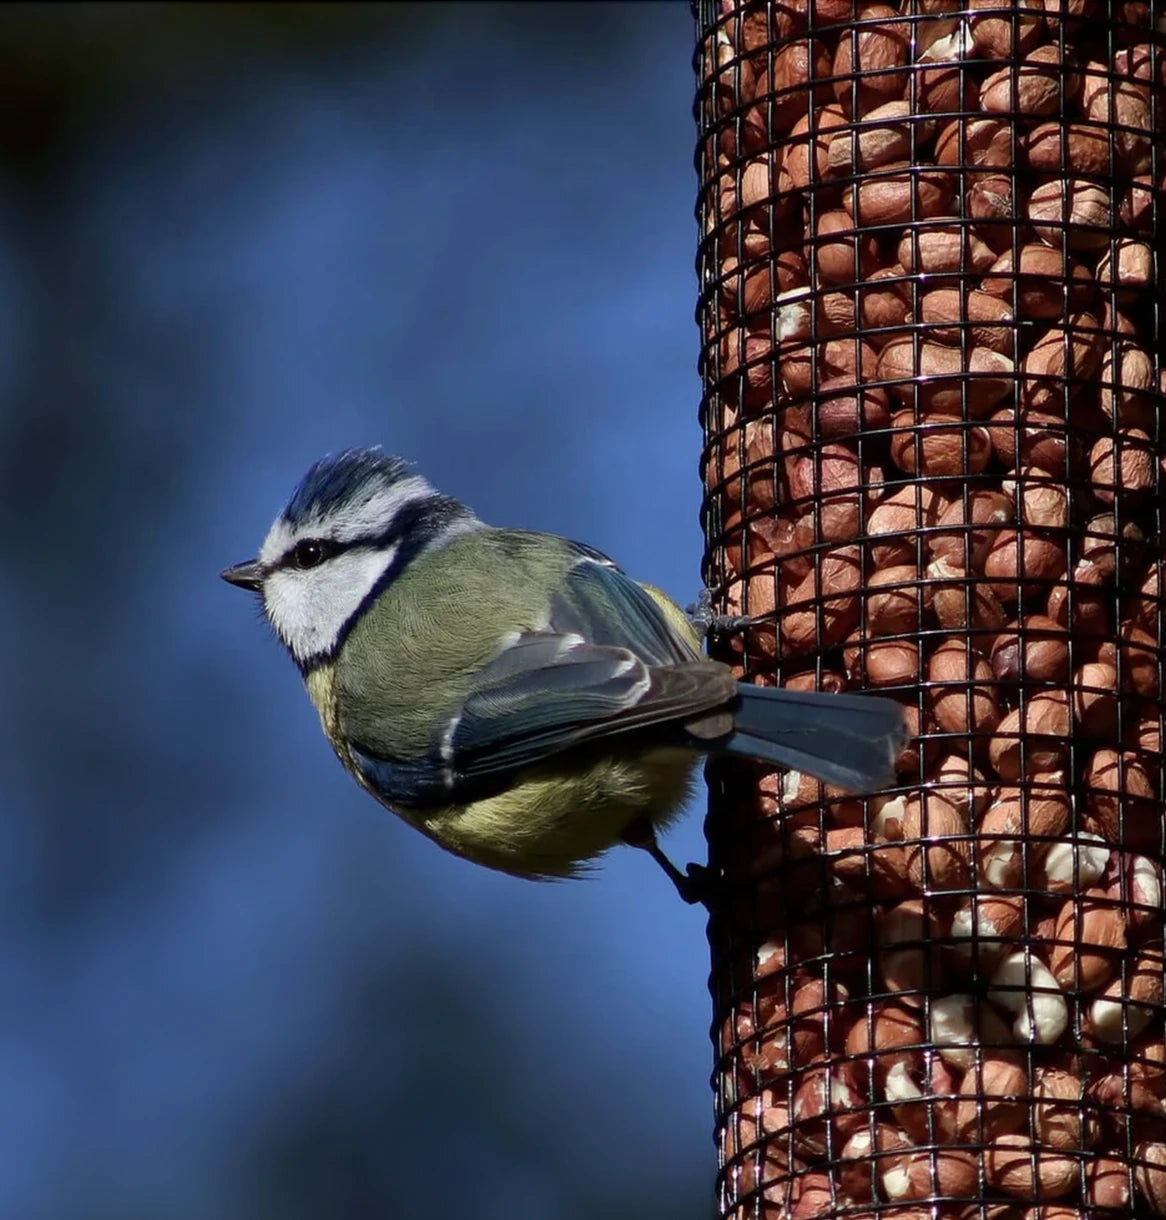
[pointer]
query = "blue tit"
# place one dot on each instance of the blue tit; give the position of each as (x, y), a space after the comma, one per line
(513, 695)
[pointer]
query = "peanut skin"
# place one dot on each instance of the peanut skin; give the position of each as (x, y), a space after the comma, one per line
(931, 268)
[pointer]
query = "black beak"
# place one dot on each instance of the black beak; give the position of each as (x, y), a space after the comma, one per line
(247, 575)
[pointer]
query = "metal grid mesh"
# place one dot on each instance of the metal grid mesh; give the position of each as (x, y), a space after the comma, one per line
(931, 308)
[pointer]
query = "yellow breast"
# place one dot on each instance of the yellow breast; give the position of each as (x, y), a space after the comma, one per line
(321, 684)
(555, 819)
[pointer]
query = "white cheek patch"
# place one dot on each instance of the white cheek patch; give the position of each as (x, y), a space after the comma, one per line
(309, 609)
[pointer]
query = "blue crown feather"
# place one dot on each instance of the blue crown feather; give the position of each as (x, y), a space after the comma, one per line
(339, 479)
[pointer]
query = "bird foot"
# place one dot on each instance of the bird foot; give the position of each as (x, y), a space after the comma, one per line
(706, 623)
(694, 885)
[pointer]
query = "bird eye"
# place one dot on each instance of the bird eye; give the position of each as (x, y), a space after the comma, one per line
(308, 553)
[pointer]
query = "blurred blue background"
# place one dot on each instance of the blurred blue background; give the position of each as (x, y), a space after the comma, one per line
(233, 238)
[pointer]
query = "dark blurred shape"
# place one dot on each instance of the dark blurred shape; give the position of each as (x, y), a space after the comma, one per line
(231, 238)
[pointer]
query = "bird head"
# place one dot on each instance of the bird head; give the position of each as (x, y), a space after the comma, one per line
(351, 526)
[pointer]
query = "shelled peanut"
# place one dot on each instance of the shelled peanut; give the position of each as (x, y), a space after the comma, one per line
(934, 402)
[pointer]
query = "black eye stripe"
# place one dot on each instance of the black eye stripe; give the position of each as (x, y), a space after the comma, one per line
(415, 524)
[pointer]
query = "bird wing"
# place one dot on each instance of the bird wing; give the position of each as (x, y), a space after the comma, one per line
(602, 603)
(607, 664)
(586, 693)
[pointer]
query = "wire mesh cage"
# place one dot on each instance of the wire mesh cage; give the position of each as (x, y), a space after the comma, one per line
(932, 318)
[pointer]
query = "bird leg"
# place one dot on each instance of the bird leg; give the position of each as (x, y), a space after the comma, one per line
(705, 623)
(694, 885)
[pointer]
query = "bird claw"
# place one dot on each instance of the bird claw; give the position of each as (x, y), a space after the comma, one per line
(696, 885)
(706, 623)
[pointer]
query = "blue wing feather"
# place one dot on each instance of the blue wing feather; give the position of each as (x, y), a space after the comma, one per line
(602, 603)
(405, 783)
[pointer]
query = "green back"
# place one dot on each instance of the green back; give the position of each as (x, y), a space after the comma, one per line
(415, 651)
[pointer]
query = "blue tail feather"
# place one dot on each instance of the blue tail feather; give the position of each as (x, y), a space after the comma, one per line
(848, 740)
